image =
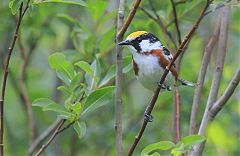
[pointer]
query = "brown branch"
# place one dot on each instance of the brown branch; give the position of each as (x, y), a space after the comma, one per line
(176, 117)
(23, 88)
(57, 131)
(129, 18)
(201, 77)
(205, 14)
(176, 22)
(156, 93)
(5, 73)
(216, 77)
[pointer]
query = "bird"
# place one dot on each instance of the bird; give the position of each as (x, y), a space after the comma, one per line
(150, 58)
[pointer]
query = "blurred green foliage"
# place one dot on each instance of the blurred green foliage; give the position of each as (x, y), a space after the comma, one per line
(82, 32)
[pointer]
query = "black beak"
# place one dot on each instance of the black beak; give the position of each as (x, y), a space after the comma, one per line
(126, 42)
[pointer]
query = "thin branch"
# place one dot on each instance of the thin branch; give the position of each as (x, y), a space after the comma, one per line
(5, 73)
(201, 77)
(216, 77)
(43, 136)
(23, 88)
(176, 116)
(118, 97)
(205, 14)
(221, 102)
(166, 71)
(129, 18)
(176, 22)
(57, 131)
(121, 29)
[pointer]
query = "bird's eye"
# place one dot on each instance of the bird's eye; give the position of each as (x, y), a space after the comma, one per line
(139, 40)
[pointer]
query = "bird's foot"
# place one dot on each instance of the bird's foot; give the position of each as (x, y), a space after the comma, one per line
(163, 86)
(148, 117)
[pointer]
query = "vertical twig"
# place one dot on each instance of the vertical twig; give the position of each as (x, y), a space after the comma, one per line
(156, 93)
(177, 108)
(201, 77)
(176, 116)
(176, 22)
(5, 73)
(118, 98)
(23, 88)
(122, 28)
(216, 77)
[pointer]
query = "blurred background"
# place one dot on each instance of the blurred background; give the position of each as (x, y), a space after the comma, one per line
(88, 32)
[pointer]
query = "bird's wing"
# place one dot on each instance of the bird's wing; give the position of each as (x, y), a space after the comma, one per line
(168, 54)
(135, 67)
(163, 60)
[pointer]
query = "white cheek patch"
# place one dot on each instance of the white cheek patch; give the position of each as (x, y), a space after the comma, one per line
(146, 46)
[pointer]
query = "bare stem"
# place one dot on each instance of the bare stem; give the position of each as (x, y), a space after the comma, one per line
(156, 93)
(176, 22)
(5, 73)
(118, 97)
(57, 131)
(201, 77)
(121, 29)
(43, 136)
(207, 117)
(177, 117)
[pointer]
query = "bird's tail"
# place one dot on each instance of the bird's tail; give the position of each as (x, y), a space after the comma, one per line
(185, 82)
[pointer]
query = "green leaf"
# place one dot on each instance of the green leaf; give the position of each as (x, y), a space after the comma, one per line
(192, 140)
(76, 108)
(49, 105)
(76, 81)
(64, 68)
(85, 67)
(80, 128)
(56, 108)
(42, 102)
(176, 152)
(162, 145)
(64, 89)
(14, 5)
(76, 2)
(92, 81)
(127, 66)
(96, 9)
(110, 74)
(97, 99)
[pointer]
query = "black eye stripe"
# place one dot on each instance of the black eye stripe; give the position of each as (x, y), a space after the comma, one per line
(148, 36)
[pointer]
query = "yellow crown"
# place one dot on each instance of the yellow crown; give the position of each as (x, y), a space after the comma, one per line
(136, 34)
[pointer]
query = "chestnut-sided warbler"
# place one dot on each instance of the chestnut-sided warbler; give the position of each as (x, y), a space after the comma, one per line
(150, 59)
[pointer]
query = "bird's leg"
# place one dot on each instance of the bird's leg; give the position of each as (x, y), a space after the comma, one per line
(147, 117)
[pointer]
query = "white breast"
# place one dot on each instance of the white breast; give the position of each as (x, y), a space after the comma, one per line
(149, 71)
